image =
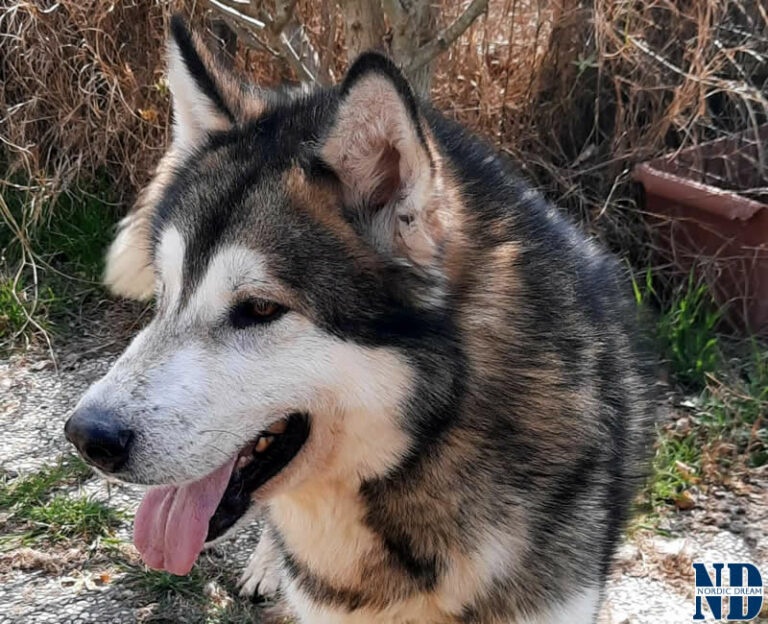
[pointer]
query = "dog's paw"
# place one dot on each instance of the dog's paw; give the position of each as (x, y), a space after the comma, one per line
(262, 576)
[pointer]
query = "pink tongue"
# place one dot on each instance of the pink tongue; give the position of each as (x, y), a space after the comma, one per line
(172, 521)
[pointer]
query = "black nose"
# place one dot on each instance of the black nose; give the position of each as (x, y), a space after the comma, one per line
(100, 437)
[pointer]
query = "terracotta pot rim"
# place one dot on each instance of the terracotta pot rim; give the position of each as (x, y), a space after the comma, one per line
(728, 204)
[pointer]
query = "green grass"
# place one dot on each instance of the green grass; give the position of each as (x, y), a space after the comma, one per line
(39, 514)
(208, 594)
(239, 611)
(64, 518)
(73, 234)
(687, 334)
(723, 435)
(22, 493)
(685, 330)
(675, 466)
(221, 606)
(36, 513)
(67, 248)
(162, 584)
(80, 228)
(13, 311)
(734, 411)
(720, 431)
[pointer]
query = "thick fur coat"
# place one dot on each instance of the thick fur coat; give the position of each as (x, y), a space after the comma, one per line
(458, 365)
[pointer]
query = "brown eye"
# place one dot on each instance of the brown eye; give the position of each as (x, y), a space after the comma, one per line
(255, 312)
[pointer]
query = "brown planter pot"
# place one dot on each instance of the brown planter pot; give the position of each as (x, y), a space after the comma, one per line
(708, 206)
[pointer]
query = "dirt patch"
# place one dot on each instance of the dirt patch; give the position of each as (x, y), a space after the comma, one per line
(30, 559)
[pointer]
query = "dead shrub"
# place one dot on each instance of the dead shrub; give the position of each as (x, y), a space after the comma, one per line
(577, 92)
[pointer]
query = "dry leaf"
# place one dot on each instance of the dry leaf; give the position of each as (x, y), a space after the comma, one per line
(148, 114)
(684, 501)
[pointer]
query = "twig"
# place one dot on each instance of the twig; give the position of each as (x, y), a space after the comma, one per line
(329, 26)
(619, 178)
(281, 31)
(746, 91)
(247, 36)
(428, 52)
(242, 15)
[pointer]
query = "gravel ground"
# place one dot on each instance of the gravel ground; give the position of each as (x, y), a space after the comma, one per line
(651, 583)
(56, 586)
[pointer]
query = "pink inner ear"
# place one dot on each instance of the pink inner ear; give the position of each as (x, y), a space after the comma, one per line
(387, 176)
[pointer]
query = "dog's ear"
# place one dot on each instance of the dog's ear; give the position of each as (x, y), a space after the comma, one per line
(378, 149)
(206, 97)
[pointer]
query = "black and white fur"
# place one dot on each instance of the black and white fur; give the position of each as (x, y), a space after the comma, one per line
(480, 408)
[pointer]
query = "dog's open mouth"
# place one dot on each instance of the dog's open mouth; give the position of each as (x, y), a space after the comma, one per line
(256, 464)
(174, 522)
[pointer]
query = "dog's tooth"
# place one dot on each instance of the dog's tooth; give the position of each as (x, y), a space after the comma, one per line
(243, 461)
(263, 443)
(278, 427)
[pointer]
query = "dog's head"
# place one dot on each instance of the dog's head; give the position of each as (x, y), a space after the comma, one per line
(296, 242)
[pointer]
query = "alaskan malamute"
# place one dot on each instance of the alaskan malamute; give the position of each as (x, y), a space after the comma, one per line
(372, 332)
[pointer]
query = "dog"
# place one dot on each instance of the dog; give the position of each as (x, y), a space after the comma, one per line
(370, 330)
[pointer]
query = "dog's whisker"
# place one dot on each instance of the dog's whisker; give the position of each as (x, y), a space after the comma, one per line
(215, 448)
(234, 435)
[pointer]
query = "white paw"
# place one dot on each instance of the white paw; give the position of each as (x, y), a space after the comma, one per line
(262, 576)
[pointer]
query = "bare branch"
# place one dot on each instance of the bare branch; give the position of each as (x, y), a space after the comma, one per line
(302, 57)
(412, 25)
(242, 25)
(292, 38)
(240, 13)
(287, 36)
(247, 36)
(427, 53)
(329, 28)
(227, 40)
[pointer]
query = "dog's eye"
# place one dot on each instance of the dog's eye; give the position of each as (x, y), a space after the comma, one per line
(255, 312)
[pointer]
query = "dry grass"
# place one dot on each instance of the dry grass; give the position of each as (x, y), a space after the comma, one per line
(580, 92)
(576, 91)
(82, 91)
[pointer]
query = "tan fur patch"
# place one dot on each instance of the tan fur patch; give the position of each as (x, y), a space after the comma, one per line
(552, 412)
(355, 435)
(451, 213)
(322, 203)
(492, 296)
(129, 271)
(323, 526)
